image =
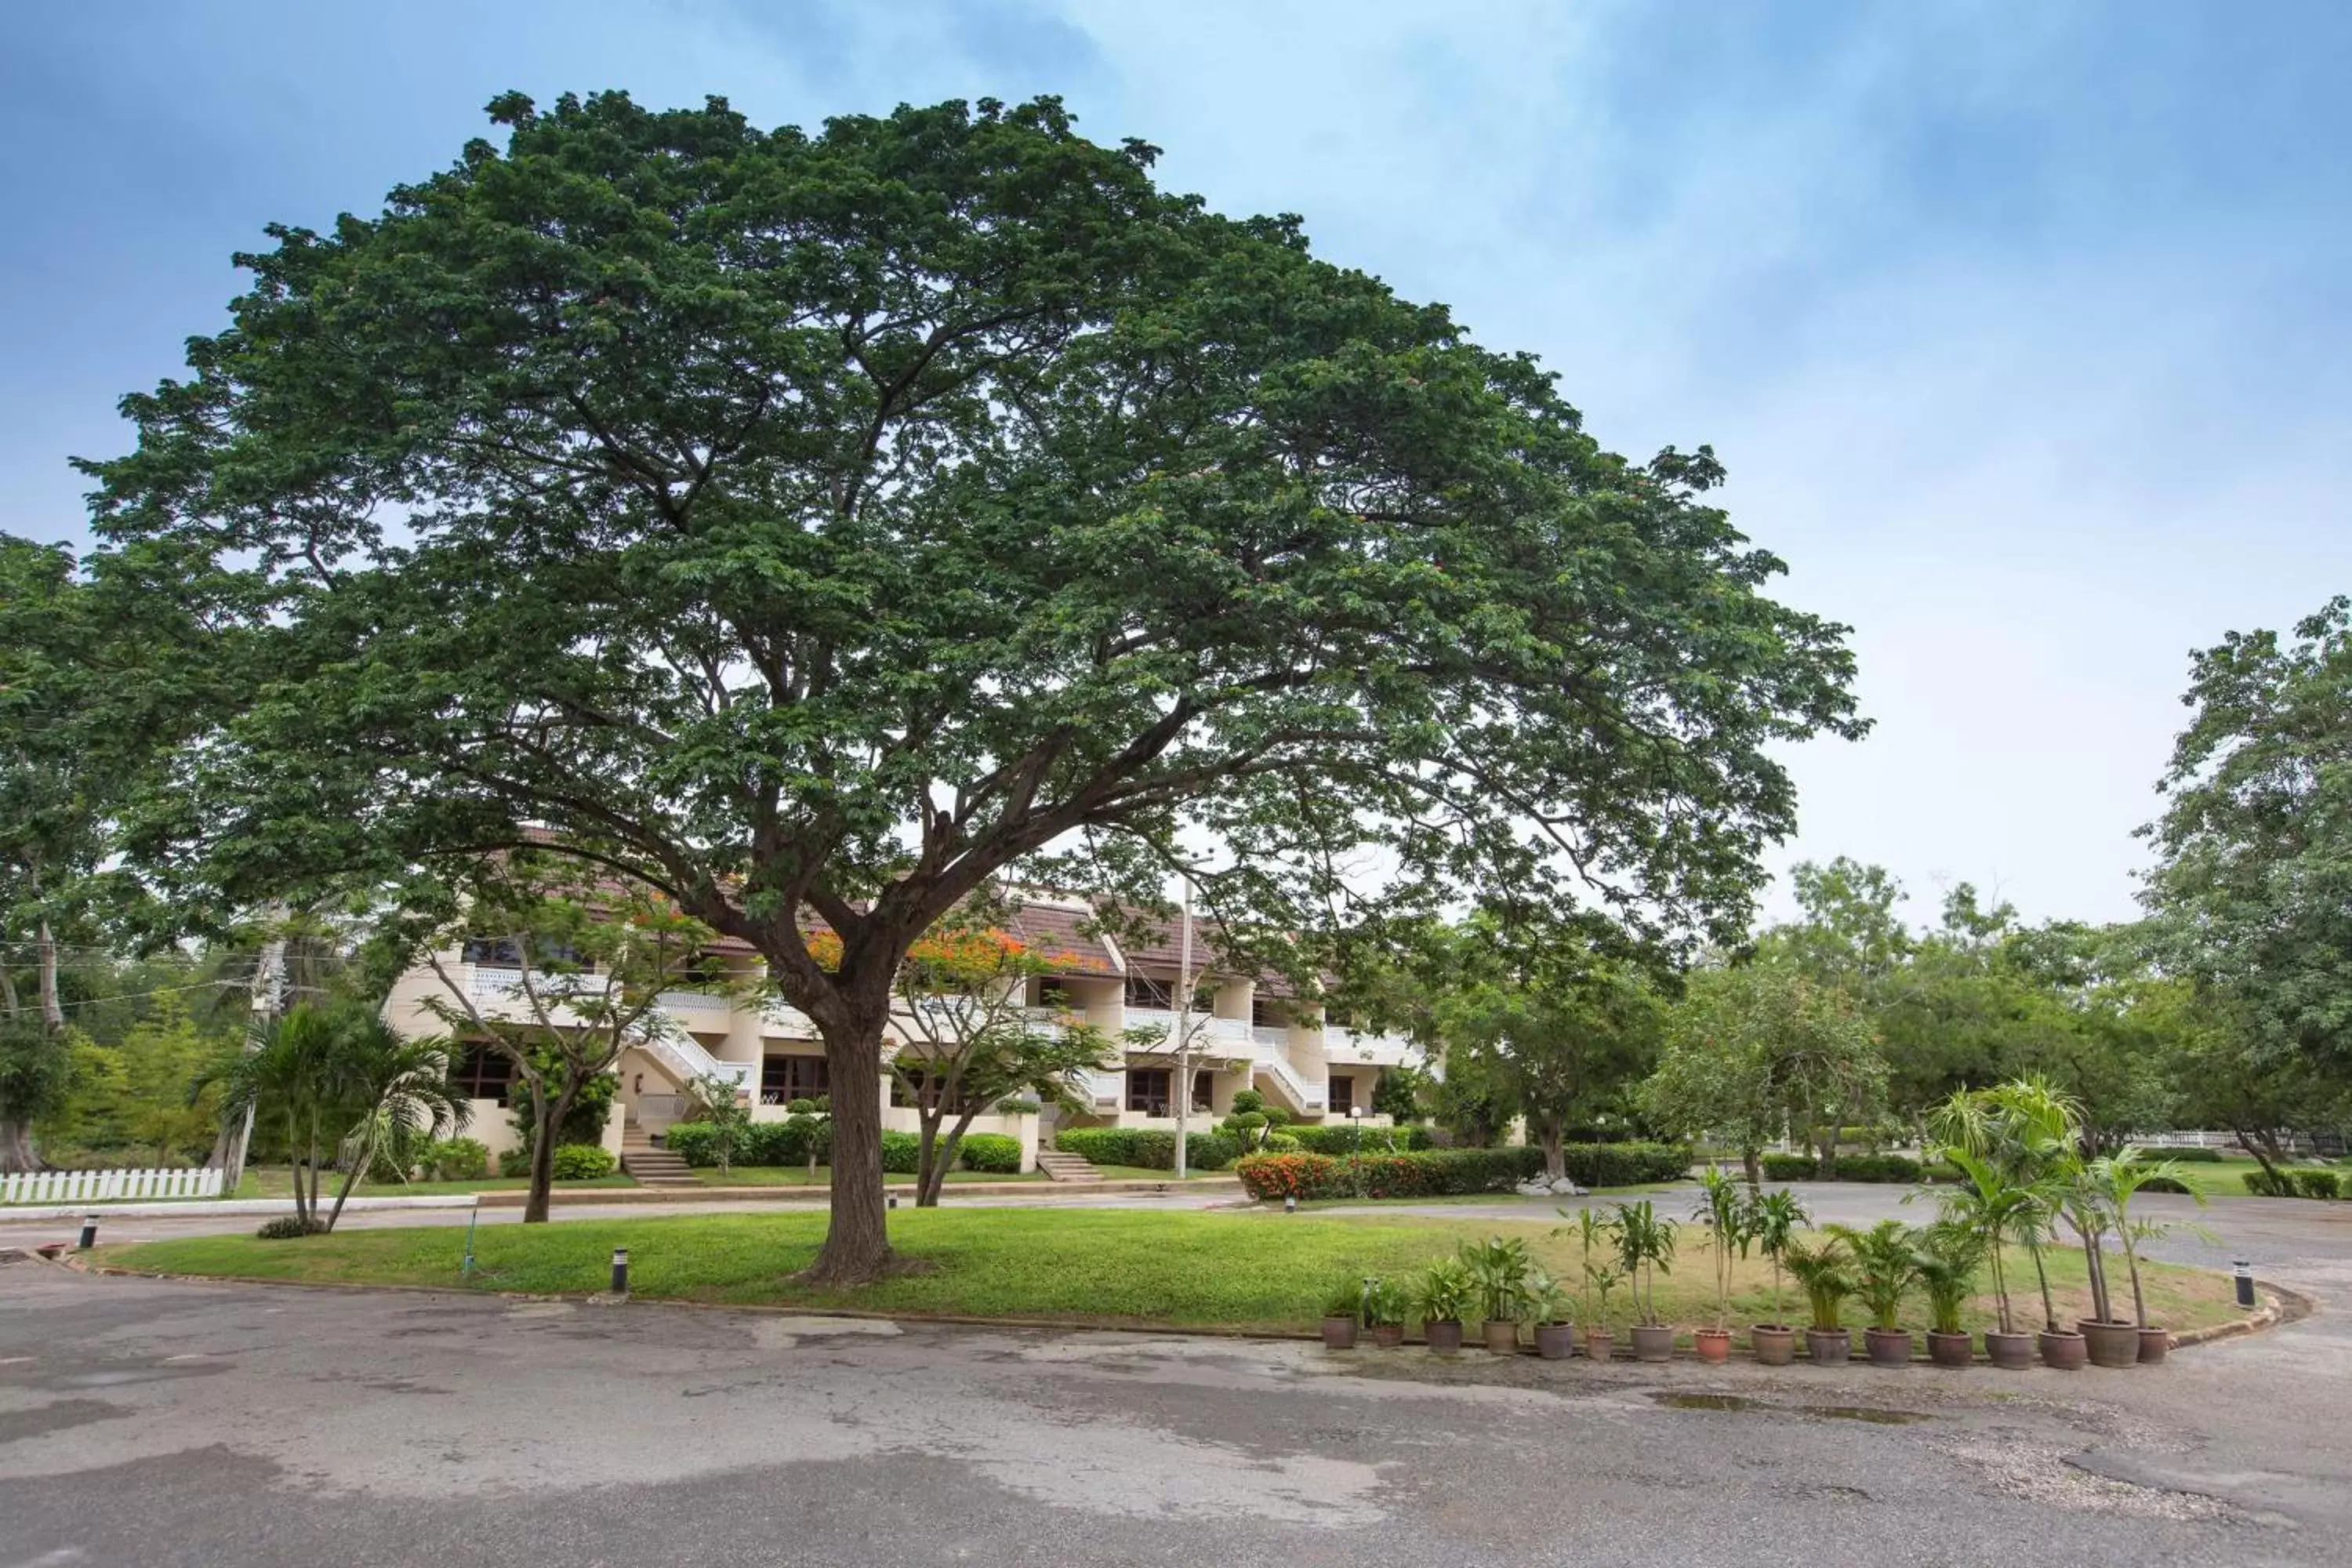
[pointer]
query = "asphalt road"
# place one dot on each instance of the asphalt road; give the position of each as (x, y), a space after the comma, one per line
(149, 1422)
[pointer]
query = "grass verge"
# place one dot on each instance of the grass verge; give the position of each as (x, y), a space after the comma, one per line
(1266, 1272)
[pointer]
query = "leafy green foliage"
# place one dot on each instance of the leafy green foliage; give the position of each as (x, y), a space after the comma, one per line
(996, 1154)
(1436, 1173)
(1147, 1149)
(828, 522)
(584, 1162)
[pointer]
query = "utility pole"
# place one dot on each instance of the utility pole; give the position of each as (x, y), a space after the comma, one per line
(262, 1017)
(1183, 1027)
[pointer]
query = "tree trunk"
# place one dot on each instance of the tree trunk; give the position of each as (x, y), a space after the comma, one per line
(1552, 1132)
(53, 1015)
(545, 1118)
(17, 1152)
(929, 1173)
(2263, 1146)
(1751, 1162)
(857, 1247)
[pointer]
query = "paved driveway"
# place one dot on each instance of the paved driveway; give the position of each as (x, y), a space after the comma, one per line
(148, 1421)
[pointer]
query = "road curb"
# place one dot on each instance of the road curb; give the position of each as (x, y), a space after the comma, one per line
(2283, 1306)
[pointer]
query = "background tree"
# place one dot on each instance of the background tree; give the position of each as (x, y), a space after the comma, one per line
(2253, 888)
(819, 525)
(164, 1102)
(1754, 1051)
(1402, 1093)
(591, 961)
(976, 1040)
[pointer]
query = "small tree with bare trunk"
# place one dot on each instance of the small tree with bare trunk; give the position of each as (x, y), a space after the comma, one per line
(589, 962)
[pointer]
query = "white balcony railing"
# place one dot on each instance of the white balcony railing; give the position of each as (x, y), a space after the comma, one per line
(1371, 1050)
(693, 1002)
(685, 1059)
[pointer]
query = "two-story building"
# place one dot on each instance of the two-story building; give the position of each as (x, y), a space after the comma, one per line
(1249, 1032)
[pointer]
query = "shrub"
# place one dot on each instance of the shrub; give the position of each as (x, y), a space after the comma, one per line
(1147, 1148)
(695, 1142)
(2262, 1184)
(458, 1160)
(1282, 1144)
(1277, 1117)
(290, 1228)
(2316, 1183)
(1850, 1168)
(996, 1152)
(801, 1107)
(901, 1154)
(2163, 1185)
(513, 1163)
(1440, 1172)
(1341, 1138)
(1247, 1099)
(2186, 1156)
(582, 1162)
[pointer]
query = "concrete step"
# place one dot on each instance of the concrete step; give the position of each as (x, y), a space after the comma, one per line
(1061, 1167)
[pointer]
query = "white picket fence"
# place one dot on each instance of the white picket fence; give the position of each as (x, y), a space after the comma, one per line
(98, 1186)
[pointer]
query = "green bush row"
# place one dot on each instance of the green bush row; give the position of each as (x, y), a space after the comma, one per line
(573, 1162)
(2302, 1183)
(1441, 1173)
(2186, 1156)
(1148, 1149)
(796, 1139)
(1854, 1168)
(1339, 1138)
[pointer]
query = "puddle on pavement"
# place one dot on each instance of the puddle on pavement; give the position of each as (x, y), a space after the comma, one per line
(1876, 1417)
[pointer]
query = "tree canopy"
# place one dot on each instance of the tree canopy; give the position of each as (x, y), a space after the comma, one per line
(828, 522)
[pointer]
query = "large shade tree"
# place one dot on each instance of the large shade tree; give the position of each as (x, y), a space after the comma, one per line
(814, 526)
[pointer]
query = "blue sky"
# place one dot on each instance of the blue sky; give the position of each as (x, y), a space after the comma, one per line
(2022, 327)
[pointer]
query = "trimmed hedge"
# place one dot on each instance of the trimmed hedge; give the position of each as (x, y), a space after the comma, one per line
(1339, 1138)
(2199, 1156)
(1848, 1168)
(1444, 1173)
(2299, 1183)
(1147, 1148)
(582, 1162)
(997, 1153)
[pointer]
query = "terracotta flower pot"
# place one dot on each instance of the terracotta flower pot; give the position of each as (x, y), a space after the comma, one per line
(1887, 1347)
(1653, 1342)
(2010, 1352)
(1388, 1336)
(1443, 1338)
(1339, 1334)
(1599, 1344)
(1830, 1347)
(1555, 1341)
(2153, 1343)
(1775, 1344)
(1712, 1344)
(2063, 1350)
(1502, 1338)
(2113, 1345)
(1951, 1350)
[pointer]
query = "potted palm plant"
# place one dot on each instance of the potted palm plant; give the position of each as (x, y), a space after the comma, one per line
(1445, 1290)
(1989, 1209)
(2118, 1179)
(1723, 1209)
(1384, 1311)
(1646, 1248)
(2083, 1201)
(1885, 1265)
(1498, 1274)
(1600, 1343)
(1948, 1254)
(1822, 1270)
(2027, 1131)
(1773, 1220)
(1341, 1309)
(1550, 1315)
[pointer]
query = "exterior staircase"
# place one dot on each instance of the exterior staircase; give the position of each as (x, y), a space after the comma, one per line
(653, 1167)
(1061, 1167)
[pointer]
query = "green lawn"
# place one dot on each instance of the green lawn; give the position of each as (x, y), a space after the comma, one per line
(798, 1176)
(277, 1182)
(1256, 1271)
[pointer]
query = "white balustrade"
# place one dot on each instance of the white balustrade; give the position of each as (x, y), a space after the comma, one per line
(105, 1186)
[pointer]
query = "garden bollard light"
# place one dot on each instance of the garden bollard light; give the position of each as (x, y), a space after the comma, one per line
(619, 1272)
(2245, 1282)
(1290, 1203)
(89, 1232)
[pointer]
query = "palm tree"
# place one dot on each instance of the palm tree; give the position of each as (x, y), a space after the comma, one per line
(2112, 1181)
(1989, 1207)
(296, 1078)
(400, 1090)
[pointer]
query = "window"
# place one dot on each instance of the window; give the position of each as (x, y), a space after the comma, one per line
(1147, 1091)
(1270, 1012)
(1343, 1093)
(479, 1071)
(783, 1079)
(1147, 990)
(494, 952)
(1203, 1082)
(1051, 992)
(927, 1093)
